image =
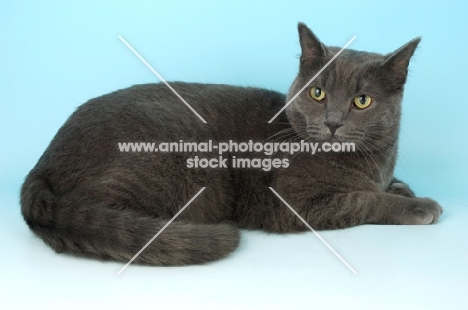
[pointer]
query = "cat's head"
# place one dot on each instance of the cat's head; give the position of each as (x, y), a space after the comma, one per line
(357, 97)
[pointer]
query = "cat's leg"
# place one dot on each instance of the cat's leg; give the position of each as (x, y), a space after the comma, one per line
(400, 188)
(343, 210)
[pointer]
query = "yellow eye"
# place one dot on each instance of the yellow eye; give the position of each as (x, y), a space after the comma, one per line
(362, 101)
(317, 93)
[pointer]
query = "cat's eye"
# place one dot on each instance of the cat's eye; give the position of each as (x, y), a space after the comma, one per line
(317, 93)
(362, 101)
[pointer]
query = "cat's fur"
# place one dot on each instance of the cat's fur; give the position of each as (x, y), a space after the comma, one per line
(86, 197)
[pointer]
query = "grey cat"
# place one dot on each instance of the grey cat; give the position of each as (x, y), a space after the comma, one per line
(86, 197)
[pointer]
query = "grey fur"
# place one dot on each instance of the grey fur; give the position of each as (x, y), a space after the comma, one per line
(87, 198)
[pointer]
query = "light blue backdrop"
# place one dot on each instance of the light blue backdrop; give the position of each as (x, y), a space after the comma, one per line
(55, 55)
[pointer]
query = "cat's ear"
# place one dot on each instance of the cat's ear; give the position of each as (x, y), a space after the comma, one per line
(312, 48)
(397, 63)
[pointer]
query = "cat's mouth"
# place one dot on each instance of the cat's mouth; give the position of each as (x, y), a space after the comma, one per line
(321, 135)
(329, 137)
(318, 135)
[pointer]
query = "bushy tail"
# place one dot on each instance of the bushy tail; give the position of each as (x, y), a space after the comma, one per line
(94, 230)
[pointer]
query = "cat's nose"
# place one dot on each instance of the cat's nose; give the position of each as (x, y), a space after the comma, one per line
(333, 126)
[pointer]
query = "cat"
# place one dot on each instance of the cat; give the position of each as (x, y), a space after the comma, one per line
(86, 197)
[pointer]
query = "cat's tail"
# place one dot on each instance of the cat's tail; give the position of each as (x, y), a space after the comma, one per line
(97, 231)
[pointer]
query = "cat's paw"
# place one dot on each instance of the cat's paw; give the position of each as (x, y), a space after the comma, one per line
(400, 189)
(424, 211)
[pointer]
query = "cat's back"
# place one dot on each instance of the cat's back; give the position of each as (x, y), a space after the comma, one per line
(154, 113)
(208, 100)
(131, 112)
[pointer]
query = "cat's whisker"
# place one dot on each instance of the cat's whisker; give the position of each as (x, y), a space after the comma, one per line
(364, 153)
(382, 148)
(279, 133)
(375, 162)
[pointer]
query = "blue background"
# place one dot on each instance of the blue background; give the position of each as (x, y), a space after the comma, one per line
(55, 55)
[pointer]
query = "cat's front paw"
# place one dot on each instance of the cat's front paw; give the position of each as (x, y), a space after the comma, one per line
(401, 189)
(424, 211)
